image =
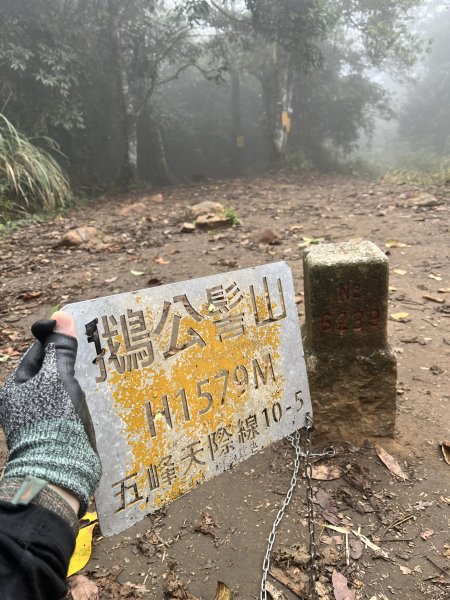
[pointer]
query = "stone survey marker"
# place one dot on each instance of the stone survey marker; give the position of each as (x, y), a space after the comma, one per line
(351, 367)
(185, 380)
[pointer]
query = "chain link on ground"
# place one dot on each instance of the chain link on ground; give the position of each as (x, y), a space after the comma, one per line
(295, 440)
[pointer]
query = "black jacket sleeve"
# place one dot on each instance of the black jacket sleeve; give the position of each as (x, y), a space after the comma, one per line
(35, 549)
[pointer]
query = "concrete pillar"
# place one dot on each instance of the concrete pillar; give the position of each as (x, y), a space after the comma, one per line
(351, 367)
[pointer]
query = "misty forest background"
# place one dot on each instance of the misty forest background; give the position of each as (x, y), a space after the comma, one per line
(101, 95)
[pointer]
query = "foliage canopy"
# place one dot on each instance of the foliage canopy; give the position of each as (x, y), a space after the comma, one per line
(129, 87)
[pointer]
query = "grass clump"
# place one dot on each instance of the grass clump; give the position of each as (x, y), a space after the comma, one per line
(30, 178)
(231, 213)
(422, 170)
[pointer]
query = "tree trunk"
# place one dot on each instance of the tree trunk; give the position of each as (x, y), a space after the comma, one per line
(282, 127)
(129, 171)
(278, 91)
(238, 141)
(161, 168)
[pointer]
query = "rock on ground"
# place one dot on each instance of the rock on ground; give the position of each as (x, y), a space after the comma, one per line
(206, 207)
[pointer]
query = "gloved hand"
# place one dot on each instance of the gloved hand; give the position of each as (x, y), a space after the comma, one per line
(45, 418)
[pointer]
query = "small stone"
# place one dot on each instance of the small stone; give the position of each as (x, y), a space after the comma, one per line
(206, 207)
(405, 570)
(79, 236)
(187, 228)
(157, 198)
(131, 209)
(424, 200)
(213, 221)
(268, 236)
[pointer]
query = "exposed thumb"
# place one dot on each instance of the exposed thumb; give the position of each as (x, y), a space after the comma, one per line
(64, 323)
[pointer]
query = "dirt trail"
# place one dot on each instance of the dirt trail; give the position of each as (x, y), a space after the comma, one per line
(37, 275)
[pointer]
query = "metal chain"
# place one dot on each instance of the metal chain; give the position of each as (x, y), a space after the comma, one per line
(295, 441)
(328, 452)
(309, 500)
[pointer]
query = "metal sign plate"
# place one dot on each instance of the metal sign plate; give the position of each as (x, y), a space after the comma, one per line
(185, 380)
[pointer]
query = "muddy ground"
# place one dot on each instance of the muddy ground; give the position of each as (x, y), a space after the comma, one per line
(237, 509)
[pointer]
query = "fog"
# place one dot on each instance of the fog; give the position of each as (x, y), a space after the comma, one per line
(156, 92)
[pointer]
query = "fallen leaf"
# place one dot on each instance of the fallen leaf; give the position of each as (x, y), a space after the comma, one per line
(309, 241)
(128, 585)
(405, 570)
(299, 586)
(340, 587)
(435, 277)
(274, 593)
(445, 447)
(110, 280)
(426, 534)
(400, 271)
(331, 555)
(83, 545)
(326, 539)
(312, 240)
(174, 588)
(137, 273)
(223, 592)
(205, 525)
(31, 295)
(434, 299)
(6, 353)
(154, 281)
(396, 244)
(326, 472)
(297, 555)
(390, 462)
(83, 588)
(268, 236)
(330, 517)
(324, 500)
(157, 198)
(161, 261)
(13, 335)
(403, 317)
(444, 291)
(356, 549)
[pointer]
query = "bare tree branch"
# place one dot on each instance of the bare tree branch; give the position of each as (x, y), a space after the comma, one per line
(204, 72)
(230, 15)
(176, 74)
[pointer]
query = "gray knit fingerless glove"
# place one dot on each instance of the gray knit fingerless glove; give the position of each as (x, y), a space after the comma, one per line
(44, 415)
